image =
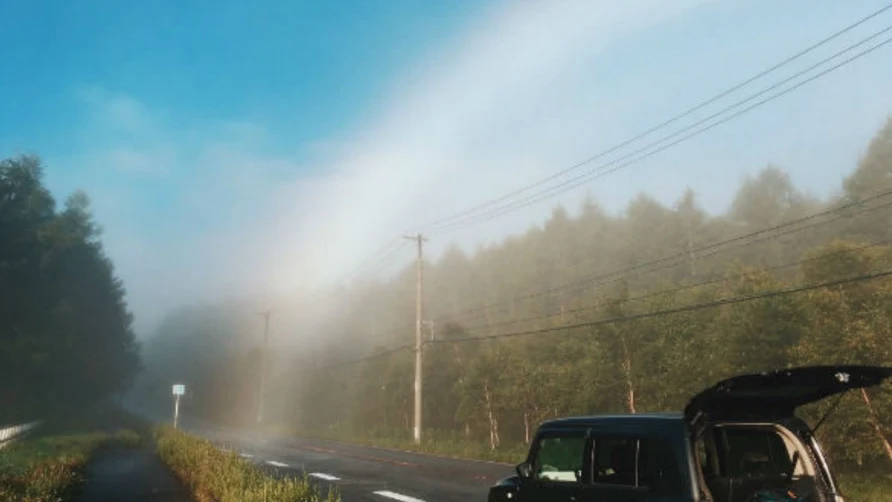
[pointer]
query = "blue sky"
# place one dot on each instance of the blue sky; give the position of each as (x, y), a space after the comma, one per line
(307, 67)
(261, 147)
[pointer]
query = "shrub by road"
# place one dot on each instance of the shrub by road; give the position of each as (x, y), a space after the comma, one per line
(215, 475)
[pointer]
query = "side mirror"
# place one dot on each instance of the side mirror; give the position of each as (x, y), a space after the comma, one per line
(524, 470)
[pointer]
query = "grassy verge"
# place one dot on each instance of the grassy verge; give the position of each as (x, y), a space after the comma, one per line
(214, 475)
(49, 468)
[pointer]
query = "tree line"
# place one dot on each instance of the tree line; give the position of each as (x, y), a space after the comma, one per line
(65, 329)
(665, 300)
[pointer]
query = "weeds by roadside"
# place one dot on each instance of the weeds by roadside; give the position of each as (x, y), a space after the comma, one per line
(212, 474)
(47, 469)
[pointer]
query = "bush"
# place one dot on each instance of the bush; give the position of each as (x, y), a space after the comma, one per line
(214, 475)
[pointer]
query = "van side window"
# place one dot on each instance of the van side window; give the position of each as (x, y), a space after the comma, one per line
(637, 462)
(559, 457)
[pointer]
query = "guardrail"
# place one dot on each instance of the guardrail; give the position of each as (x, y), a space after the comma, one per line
(9, 435)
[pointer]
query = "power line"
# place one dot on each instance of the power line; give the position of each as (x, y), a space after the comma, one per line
(677, 310)
(607, 278)
(372, 264)
(594, 173)
(697, 132)
(386, 250)
(573, 182)
(634, 317)
(612, 278)
(718, 278)
(378, 265)
(376, 355)
(661, 125)
(375, 260)
(698, 252)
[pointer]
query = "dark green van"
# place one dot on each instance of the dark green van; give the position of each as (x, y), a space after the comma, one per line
(738, 441)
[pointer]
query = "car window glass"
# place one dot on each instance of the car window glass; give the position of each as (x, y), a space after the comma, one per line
(658, 467)
(560, 457)
(754, 453)
(637, 462)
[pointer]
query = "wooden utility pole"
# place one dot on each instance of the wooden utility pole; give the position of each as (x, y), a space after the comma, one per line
(263, 363)
(419, 291)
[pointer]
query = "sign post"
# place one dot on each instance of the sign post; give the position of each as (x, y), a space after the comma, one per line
(178, 390)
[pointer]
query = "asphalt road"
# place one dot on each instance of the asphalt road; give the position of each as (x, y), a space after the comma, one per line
(116, 473)
(364, 473)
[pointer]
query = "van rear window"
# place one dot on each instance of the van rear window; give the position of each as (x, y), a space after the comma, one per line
(749, 452)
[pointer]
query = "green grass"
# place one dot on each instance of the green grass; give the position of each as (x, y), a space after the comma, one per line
(214, 475)
(50, 468)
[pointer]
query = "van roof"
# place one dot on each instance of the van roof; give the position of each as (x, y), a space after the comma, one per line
(620, 421)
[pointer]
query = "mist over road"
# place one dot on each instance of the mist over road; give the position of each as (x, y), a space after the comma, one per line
(367, 473)
(360, 473)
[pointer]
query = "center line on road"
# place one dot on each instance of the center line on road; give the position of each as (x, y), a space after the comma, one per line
(277, 464)
(397, 496)
(327, 477)
(361, 457)
(246, 455)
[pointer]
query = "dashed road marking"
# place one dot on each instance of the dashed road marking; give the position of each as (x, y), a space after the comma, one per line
(246, 455)
(276, 464)
(360, 457)
(397, 496)
(327, 477)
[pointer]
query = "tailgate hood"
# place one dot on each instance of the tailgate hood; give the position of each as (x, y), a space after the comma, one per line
(779, 393)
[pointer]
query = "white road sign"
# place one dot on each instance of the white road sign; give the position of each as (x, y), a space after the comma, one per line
(179, 389)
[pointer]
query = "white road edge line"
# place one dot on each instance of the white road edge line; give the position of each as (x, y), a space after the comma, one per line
(276, 464)
(397, 496)
(327, 477)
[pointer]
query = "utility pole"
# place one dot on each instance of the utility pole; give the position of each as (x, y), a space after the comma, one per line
(419, 290)
(176, 410)
(263, 357)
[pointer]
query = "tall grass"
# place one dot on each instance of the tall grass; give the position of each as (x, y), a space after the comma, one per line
(213, 475)
(50, 468)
